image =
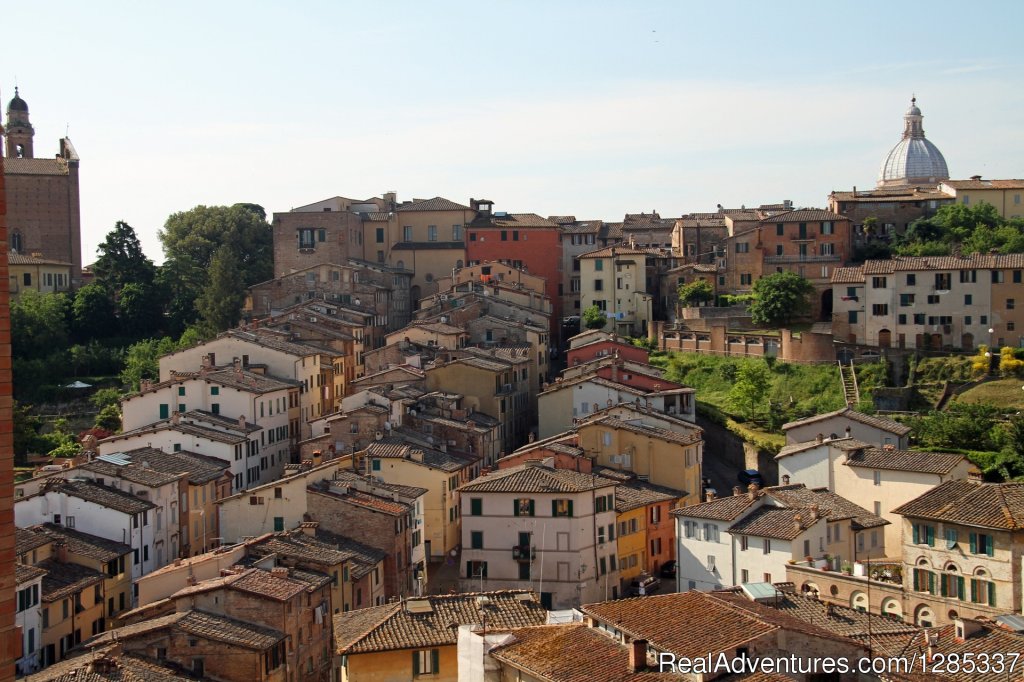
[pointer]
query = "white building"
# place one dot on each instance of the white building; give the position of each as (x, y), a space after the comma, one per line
(752, 536)
(236, 441)
(881, 479)
(848, 423)
(540, 527)
(97, 509)
(28, 616)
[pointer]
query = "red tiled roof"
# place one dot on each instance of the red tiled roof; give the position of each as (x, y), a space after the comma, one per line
(971, 503)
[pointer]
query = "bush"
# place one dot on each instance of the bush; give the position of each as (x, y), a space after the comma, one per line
(1009, 365)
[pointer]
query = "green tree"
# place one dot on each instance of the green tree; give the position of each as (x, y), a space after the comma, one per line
(121, 260)
(141, 310)
(93, 313)
(104, 397)
(26, 431)
(142, 360)
(594, 318)
(696, 293)
(780, 297)
(749, 392)
(220, 304)
(38, 324)
(109, 418)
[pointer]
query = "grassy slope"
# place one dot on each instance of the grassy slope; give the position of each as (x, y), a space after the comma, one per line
(1004, 393)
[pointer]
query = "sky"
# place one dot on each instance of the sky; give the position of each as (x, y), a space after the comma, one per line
(593, 109)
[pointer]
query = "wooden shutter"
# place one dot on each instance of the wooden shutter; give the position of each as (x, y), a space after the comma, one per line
(917, 534)
(515, 507)
(931, 582)
(931, 535)
(415, 663)
(960, 587)
(531, 508)
(991, 594)
(974, 543)
(570, 508)
(554, 507)
(991, 546)
(917, 577)
(434, 660)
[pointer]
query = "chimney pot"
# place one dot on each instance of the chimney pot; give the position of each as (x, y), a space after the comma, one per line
(709, 495)
(752, 491)
(820, 438)
(736, 490)
(785, 479)
(637, 655)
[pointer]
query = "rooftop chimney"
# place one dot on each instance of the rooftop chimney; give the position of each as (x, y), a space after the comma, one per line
(637, 655)
(976, 178)
(785, 479)
(798, 522)
(241, 421)
(753, 491)
(309, 528)
(848, 432)
(709, 495)
(279, 572)
(820, 438)
(815, 512)
(736, 490)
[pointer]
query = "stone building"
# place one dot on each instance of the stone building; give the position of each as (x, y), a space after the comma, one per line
(42, 194)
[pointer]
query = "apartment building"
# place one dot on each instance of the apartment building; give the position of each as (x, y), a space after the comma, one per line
(615, 280)
(893, 208)
(28, 617)
(930, 302)
(849, 423)
(327, 231)
(1004, 195)
(535, 526)
(578, 237)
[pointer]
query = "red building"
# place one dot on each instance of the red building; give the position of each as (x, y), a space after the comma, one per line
(522, 240)
(606, 348)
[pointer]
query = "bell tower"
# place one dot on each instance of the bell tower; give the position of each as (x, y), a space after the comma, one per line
(19, 131)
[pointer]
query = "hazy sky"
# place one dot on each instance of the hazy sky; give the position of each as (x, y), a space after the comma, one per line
(593, 109)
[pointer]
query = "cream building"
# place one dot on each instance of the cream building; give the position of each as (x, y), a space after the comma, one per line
(35, 273)
(615, 279)
(1004, 195)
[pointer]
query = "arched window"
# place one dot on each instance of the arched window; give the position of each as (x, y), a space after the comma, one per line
(952, 583)
(891, 607)
(923, 617)
(859, 601)
(16, 242)
(400, 265)
(19, 151)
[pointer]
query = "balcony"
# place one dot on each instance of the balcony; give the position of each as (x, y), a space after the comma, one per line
(524, 553)
(802, 259)
(802, 237)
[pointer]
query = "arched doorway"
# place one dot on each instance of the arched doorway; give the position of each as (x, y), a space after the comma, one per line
(967, 342)
(826, 305)
(884, 338)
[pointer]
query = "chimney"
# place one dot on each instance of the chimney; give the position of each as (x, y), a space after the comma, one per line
(532, 437)
(736, 490)
(855, 191)
(785, 479)
(637, 655)
(279, 572)
(241, 421)
(848, 432)
(815, 512)
(709, 495)
(819, 439)
(798, 522)
(207, 361)
(976, 178)
(974, 474)
(309, 528)
(931, 640)
(62, 552)
(753, 491)
(175, 417)
(191, 580)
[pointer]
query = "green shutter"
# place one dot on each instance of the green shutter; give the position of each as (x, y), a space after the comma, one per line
(435, 660)
(931, 535)
(476, 506)
(554, 507)
(415, 663)
(931, 582)
(917, 534)
(917, 577)
(974, 543)
(942, 586)
(570, 508)
(991, 546)
(960, 587)
(991, 594)
(531, 508)
(974, 590)
(515, 507)
(164, 413)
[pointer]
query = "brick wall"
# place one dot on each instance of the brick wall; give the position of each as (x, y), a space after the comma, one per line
(44, 209)
(10, 640)
(334, 249)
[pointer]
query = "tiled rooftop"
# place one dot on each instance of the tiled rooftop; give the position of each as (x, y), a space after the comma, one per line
(773, 522)
(971, 503)
(432, 621)
(121, 668)
(102, 495)
(25, 540)
(63, 580)
(84, 544)
(536, 478)
(435, 204)
(904, 460)
(849, 413)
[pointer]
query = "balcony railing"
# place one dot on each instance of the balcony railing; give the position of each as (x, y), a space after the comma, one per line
(802, 259)
(524, 553)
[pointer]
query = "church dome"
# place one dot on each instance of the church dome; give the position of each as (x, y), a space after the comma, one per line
(17, 104)
(914, 160)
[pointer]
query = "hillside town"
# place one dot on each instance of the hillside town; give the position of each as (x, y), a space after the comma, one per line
(455, 440)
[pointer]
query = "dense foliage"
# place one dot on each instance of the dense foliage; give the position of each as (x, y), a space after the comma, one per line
(779, 298)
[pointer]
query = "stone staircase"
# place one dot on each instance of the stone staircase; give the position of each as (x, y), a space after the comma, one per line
(849, 378)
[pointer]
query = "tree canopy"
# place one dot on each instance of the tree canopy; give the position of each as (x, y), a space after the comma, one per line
(962, 228)
(121, 260)
(780, 297)
(696, 292)
(594, 318)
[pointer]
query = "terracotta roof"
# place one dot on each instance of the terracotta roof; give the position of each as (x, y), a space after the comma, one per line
(393, 447)
(102, 495)
(977, 184)
(231, 424)
(895, 194)
(643, 429)
(848, 275)
(24, 573)
(186, 428)
(621, 250)
(265, 584)
(26, 539)
(512, 220)
(435, 204)
(84, 544)
(277, 342)
(971, 503)
(135, 471)
(432, 620)
(831, 506)
(721, 509)
(634, 493)
(774, 522)
(377, 216)
(904, 460)
(200, 624)
(986, 639)
(688, 624)
(124, 668)
(972, 262)
(63, 580)
(374, 502)
(844, 444)
(21, 166)
(804, 215)
(407, 491)
(15, 258)
(250, 382)
(536, 478)
(849, 413)
(571, 652)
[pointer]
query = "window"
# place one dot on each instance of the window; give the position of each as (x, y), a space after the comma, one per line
(561, 507)
(476, 569)
(933, 299)
(165, 411)
(879, 309)
(598, 285)
(307, 239)
(744, 576)
(982, 543)
(1010, 303)
(780, 229)
(425, 662)
(380, 235)
(746, 279)
(901, 318)
(1016, 275)
(375, 465)
(476, 539)
(828, 227)
(456, 233)
(918, 318)
(911, 280)
(924, 580)
(851, 316)
(983, 592)
(827, 249)
(879, 282)
(744, 543)
(951, 538)
(968, 276)
(766, 546)
(943, 281)
(476, 506)
(779, 250)
(924, 534)
(997, 277)
(906, 300)
(742, 247)
(431, 233)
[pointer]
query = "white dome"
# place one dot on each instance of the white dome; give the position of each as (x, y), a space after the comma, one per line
(914, 160)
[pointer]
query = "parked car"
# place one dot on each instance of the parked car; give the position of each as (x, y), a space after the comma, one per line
(748, 476)
(644, 585)
(668, 569)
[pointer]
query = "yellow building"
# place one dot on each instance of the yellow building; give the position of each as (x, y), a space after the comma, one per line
(414, 637)
(615, 280)
(73, 607)
(632, 528)
(35, 273)
(667, 454)
(1005, 195)
(405, 458)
